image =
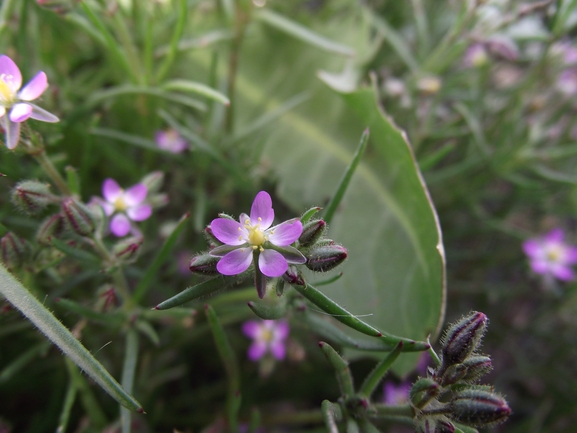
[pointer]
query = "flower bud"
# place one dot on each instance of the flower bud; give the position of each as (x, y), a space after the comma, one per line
(293, 276)
(49, 228)
(210, 238)
(478, 407)
(434, 425)
(32, 196)
(157, 200)
(444, 426)
(312, 232)
(77, 216)
(423, 391)
(477, 366)
(14, 250)
(453, 374)
(204, 264)
(324, 258)
(463, 338)
(153, 181)
(127, 249)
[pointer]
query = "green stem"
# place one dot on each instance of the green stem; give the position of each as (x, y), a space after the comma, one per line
(128, 372)
(393, 411)
(374, 378)
(52, 172)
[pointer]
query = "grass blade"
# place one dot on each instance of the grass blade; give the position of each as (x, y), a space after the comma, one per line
(196, 87)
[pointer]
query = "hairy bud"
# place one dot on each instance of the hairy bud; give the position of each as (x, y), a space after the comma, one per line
(477, 366)
(14, 250)
(204, 264)
(49, 228)
(78, 217)
(32, 196)
(293, 276)
(478, 407)
(153, 181)
(325, 257)
(423, 391)
(463, 338)
(127, 249)
(434, 425)
(312, 232)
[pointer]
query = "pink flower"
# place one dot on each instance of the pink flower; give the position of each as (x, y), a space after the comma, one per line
(124, 205)
(550, 255)
(253, 237)
(15, 101)
(267, 336)
(475, 56)
(171, 141)
(395, 395)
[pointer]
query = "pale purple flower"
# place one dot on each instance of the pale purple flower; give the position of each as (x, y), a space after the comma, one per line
(475, 56)
(171, 141)
(550, 255)
(567, 82)
(16, 101)
(267, 336)
(126, 205)
(395, 395)
(254, 236)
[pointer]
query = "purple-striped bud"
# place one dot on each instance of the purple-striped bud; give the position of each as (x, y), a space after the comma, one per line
(444, 426)
(127, 249)
(437, 424)
(293, 276)
(453, 374)
(204, 264)
(477, 366)
(325, 257)
(478, 407)
(49, 228)
(77, 216)
(32, 196)
(14, 250)
(312, 232)
(463, 338)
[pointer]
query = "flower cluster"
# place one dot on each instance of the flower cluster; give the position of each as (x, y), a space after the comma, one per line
(15, 100)
(550, 256)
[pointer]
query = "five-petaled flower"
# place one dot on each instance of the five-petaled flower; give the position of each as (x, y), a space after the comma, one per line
(267, 336)
(550, 255)
(16, 101)
(124, 205)
(171, 141)
(254, 236)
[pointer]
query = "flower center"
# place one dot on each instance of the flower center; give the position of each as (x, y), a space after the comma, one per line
(7, 94)
(256, 236)
(266, 335)
(554, 254)
(119, 204)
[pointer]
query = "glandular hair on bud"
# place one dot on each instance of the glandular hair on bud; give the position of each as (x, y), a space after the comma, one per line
(478, 408)
(14, 250)
(312, 232)
(77, 216)
(51, 227)
(423, 390)
(204, 264)
(326, 257)
(32, 196)
(293, 276)
(477, 366)
(463, 338)
(453, 374)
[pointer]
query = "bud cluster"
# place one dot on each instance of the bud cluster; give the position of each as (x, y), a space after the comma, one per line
(451, 394)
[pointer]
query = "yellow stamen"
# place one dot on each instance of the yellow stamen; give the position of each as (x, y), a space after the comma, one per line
(7, 95)
(119, 204)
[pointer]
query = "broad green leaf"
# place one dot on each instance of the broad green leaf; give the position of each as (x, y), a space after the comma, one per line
(50, 326)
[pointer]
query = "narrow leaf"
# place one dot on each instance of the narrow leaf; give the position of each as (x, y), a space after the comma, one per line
(198, 88)
(374, 378)
(205, 288)
(50, 326)
(341, 368)
(300, 32)
(76, 253)
(128, 371)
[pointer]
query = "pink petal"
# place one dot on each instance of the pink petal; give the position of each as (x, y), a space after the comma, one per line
(256, 350)
(281, 330)
(35, 87)
(107, 207)
(272, 263)
(10, 73)
(43, 115)
(20, 112)
(120, 225)
(136, 194)
(571, 255)
(563, 273)
(278, 350)
(555, 235)
(111, 190)
(235, 262)
(139, 212)
(228, 231)
(262, 208)
(285, 233)
(251, 328)
(533, 248)
(540, 266)
(12, 131)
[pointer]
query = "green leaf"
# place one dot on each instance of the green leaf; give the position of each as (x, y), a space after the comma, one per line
(50, 326)
(76, 253)
(302, 33)
(197, 88)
